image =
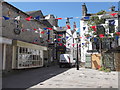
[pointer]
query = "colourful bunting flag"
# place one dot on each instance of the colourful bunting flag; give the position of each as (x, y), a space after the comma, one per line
(95, 39)
(67, 37)
(54, 27)
(23, 30)
(113, 14)
(93, 27)
(50, 28)
(80, 37)
(84, 28)
(60, 35)
(73, 45)
(86, 18)
(42, 32)
(60, 44)
(29, 18)
(38, 18)
(116, 37)
(58, 18)
(48, 33)
(17, 18)
(45, 28)
(6, 18)
(58, 39)
(60, 28)
(82, 43)
(70, 17)
(68, 26)
(101, 35)
(39, 29)
(118, 33)
(47, 17)
(34, 29)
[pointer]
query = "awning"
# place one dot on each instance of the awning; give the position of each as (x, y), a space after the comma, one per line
(28, 45)
(4, 40)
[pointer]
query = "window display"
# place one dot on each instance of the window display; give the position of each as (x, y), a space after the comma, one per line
(28, 57)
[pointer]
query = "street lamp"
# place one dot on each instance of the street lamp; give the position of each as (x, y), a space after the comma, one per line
(77, 62)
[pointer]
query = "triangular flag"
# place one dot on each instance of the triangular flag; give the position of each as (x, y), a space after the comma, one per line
(6, 18)
(116, 37)
(54, 27)
(84, 28)
(118, 33)
(60, 35)
(42, 32)
(68, 26)
(59, 18)
(101, 35)
(17, 18)
(36, 31)
(60, 44)
(38, 18)
(50, 28)
(48, 33)
(47, 17)
(39, 29)
(45, 28)
(87, 18)
(93, 27)
(29, 18)
(95, 40)
(73, 45)
(58, 39)
(70, 17)
(113, 14)
(60, 28)
(82, 43)
(28, 29)
(67, 37)
(80, 37)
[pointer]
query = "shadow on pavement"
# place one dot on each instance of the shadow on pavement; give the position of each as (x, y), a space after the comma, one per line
(30, 77)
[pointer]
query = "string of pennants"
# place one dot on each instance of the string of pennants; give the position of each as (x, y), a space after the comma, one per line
(47, 17)
(32, 18)
(18, 18)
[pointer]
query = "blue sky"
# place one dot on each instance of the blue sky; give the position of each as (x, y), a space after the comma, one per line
(64, 9)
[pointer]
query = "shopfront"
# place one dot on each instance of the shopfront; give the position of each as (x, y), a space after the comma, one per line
(27, 55)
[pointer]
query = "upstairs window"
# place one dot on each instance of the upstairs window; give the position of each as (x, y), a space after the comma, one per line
(111, 26)
(100, 30)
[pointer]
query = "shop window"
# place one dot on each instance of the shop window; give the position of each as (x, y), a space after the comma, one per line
(29, 58)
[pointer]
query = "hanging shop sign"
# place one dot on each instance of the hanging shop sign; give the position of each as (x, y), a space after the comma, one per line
(17, 31)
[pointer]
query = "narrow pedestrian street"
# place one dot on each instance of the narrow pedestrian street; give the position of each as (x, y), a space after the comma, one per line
(66, 45)
(55, 77)
(83, 78)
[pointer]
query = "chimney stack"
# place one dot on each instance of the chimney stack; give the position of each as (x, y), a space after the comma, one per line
(84, 10)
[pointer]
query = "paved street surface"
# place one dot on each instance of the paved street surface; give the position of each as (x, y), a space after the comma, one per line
(83, 78)
(55, 77)
(30, 77)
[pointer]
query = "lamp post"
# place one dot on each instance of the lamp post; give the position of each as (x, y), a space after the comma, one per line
(77, 62)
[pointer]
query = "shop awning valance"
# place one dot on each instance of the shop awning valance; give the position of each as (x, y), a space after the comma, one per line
(28, 45)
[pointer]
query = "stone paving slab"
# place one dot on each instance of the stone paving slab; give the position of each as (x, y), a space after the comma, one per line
(82, 78)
